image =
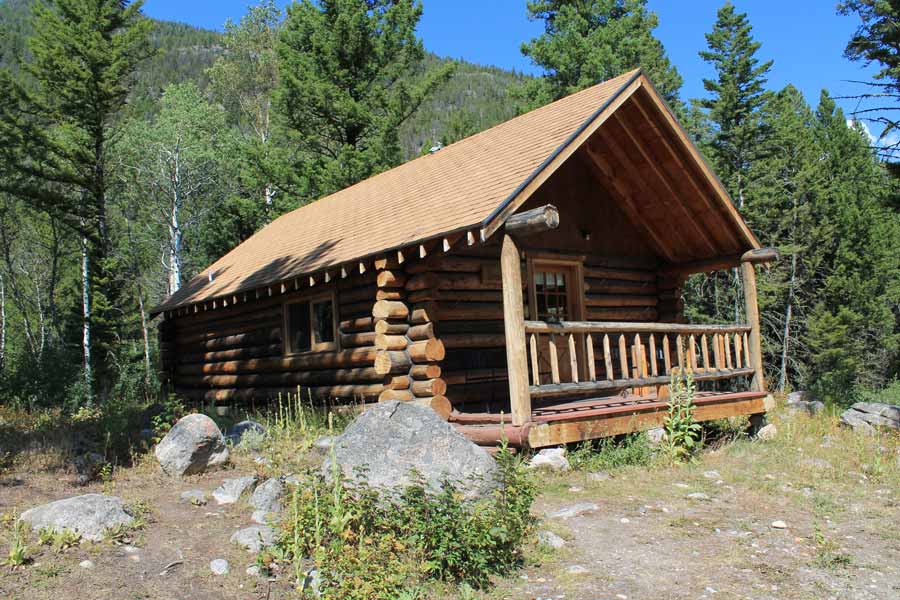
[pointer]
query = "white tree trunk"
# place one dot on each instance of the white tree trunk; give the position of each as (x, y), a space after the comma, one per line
(86, 321)
(2, 323)
(146, 338)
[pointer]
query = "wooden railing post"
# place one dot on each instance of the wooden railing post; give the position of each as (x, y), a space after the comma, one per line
(748, 275)
(514, 327)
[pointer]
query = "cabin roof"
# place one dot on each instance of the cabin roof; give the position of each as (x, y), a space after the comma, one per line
(470, 186)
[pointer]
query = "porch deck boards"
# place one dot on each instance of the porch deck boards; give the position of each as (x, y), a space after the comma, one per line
(597, 417)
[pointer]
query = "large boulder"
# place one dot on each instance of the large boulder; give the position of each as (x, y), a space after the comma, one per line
(393, 440)
(864, 416)
(231, 490)
(254, 538)
(248, 433)
(267, 496)
(194, 445)
(804, 402)
(89, 515)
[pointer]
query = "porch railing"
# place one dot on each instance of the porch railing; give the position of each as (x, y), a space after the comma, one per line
(573, 357)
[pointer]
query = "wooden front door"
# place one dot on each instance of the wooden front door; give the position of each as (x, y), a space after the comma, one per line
(555, 294)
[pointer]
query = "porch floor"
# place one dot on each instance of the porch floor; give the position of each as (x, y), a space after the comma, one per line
(592, 418)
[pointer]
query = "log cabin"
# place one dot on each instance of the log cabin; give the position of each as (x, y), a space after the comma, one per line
(525, 283)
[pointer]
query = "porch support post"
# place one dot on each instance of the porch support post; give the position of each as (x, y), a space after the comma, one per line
(514, 327)
(748, 275)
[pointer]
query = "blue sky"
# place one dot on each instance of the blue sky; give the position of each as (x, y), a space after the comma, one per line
(805, 38)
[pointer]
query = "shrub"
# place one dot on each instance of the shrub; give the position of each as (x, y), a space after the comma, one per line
(605, 454)
(365, 543)
(682, 431)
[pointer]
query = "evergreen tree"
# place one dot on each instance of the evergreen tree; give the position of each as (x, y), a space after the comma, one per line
(588, 41)
(344, 89)
(57, 123)
(737, 95)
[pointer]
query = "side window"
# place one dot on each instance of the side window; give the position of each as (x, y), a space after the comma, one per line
(310, 325)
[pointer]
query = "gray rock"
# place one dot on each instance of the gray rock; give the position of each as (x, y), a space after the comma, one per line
(852, 419)
(393, 439)
(552, 459)
(599, 476)
(312, 582)
(195, 497)
(577, 570)
(254, 538)
(194, 445)
(247, 434)
(798, 396)
(815, 463)
(697, 496)
(89, 515)
(231, 490)
(267, 496)
(219, 566)
(712, 475)
(252, 571)
(656, 436)
(86, 564)
(87, 467)
(548, 538)
(888, 411)
(767, 432)
(323, 445)
(575, 510)
(262, 517)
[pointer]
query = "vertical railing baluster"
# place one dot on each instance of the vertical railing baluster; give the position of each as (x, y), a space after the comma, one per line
(738, 350)
(692, 353)
(573, 358)
(554, 360)
(704, 349)
(680, 347)
(535, 365)
(727, 351)
(653, 355)
(667, 360)
(623, 356)
(592, 368)
(607, 358)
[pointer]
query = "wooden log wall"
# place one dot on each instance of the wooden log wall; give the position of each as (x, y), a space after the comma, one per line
(236, 354)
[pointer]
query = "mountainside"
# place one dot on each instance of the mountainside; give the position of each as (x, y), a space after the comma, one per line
(474, 99)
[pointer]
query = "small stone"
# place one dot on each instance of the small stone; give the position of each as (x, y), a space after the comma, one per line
(262, 460)
(711, 474)
(195, 497)
(231, 490)
(697, 496)
(575, 489)
(552, 459)
(252, 571)
(815, 463)
(86, 564)
(575, 510)
(219, 566)
(779, 525)
(625, 520)
(548, 538)
(656, 436)
(254, 538)
(247, 434)
(767, 432)
(128, 549)
(599, 476)
(577, 570)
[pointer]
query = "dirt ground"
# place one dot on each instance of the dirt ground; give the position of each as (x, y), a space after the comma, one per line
(835, 492)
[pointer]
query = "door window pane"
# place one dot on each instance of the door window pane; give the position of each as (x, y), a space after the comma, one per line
(323, 315)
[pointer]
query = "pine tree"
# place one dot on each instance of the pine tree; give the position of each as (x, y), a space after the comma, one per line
(57, 122)
(737, 96)
(344, 89)
(588, 41)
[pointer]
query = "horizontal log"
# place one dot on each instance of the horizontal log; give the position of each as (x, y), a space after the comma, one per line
(619, 274)
(390, 309)
(455, 296)
(620, 300)
(399, 395)
(245, 321)
(474, 340)
(384, 326)
(611, 327)
(439, 404)
(479, 326)
(356, 309)
(304, 378)
(391, 279)
(359, 357)
(233, 354)
(358, 340)
(530, 222)
(421, 332)
(612, 286)
(357, 325)
(240, 340)
(399, 382)
(384, 341)
(460, 311)
(623, 262)
(467, 376)
(622, 314)
(390, 295)
(355, 295)
(420, 372)
(492, 435)
(760, 256)
(389, 362)
(323, 393)
(429, 387)
(426, 351)
(450, 281)
(451, 263)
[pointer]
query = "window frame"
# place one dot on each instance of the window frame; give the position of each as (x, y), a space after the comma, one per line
(311, 301)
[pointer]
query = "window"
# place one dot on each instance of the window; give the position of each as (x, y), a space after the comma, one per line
(551, 294)
(310, 325)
